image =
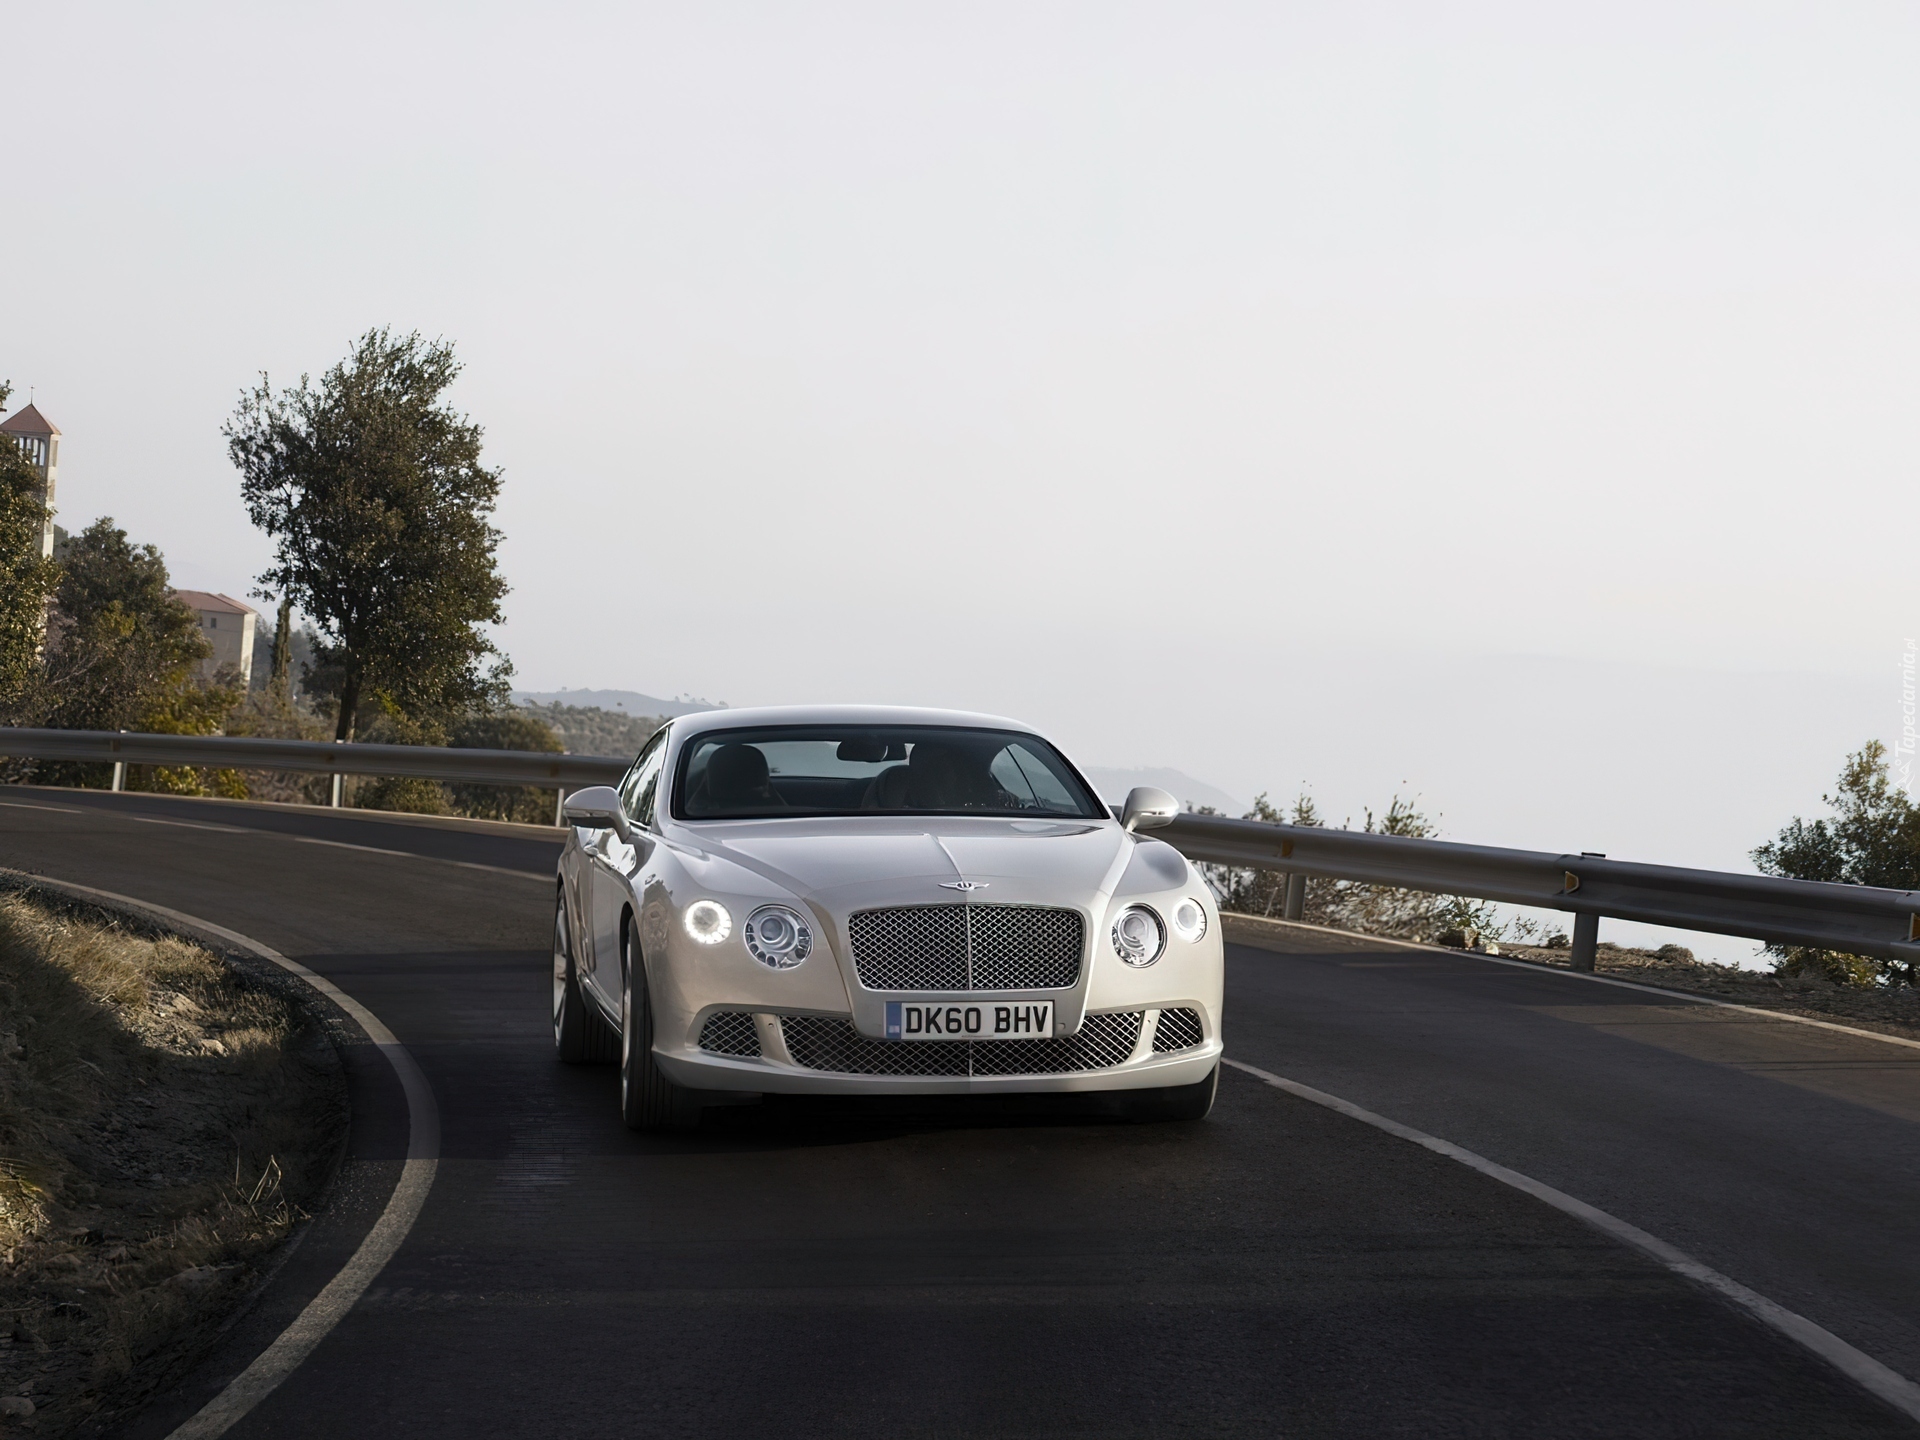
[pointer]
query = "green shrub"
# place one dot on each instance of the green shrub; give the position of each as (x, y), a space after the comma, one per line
(1871, 838)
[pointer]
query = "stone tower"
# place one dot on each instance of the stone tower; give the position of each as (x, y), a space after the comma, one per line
(39, 441)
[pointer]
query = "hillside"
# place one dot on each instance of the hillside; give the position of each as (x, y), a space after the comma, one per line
(591, 730)
(627, 702)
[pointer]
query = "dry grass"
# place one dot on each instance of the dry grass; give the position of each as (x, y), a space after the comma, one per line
(162, 1121)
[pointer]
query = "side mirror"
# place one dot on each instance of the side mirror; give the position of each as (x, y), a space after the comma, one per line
(597, 808)
(1146, 809)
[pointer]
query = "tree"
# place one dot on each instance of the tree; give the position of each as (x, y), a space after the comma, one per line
(378, 504)
(281, 654)
(119, 655)
(26, 580)
(119, 645)
(1872, 838)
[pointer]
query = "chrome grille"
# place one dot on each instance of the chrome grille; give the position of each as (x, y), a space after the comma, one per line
(1023, 947)
(1103, 1041)
(1178, 1030)
(822, 1042)
(923, 948)
(730, 1032)
(967, 947)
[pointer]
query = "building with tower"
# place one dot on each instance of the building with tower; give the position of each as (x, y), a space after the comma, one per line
(39, 442)
(229, 625)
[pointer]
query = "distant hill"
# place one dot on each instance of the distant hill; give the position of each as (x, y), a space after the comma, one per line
(632, 702)
(591, 730)
(1113, 786)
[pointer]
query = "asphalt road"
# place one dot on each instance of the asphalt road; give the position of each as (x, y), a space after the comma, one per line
(1278, 1271)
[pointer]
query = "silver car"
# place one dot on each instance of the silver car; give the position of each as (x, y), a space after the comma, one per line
(871, 901)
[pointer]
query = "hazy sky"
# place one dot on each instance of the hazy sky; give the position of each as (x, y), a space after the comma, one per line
(1508, 403)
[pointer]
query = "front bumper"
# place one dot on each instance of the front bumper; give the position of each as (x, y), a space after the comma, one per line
(775, 1071)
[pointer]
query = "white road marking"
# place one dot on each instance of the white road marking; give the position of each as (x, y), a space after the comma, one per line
(1889, 1385)
(56, 809)
(542, 878)
(409, 855)
(330, 1306)
(189, 824)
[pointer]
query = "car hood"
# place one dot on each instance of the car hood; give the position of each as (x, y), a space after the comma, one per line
(846, 866)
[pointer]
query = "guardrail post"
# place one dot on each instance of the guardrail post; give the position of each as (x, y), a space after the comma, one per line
(559, 808)
(1586, 931)
(1586, 941)
(1296, 903)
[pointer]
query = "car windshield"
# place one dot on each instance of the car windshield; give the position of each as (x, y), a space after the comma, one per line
(799, 770)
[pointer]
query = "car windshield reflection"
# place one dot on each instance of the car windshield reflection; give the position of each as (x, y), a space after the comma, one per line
(806, 770)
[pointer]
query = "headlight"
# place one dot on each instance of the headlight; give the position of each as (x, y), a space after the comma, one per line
(1138, 936)
(778, 937)
(1190, 920)
(707, 921)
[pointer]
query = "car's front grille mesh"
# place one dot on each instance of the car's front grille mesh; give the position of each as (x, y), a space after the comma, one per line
(967, 947)
(1104, 1040)
(822, 1042)
(730, 1032)
(1178, 1030)
(1023, 947)
(922, 948)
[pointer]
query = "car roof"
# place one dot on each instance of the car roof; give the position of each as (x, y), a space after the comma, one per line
(705, 720)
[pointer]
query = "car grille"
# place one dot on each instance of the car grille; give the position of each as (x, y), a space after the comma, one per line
(967, 947)
(1177, 1030)
(730, 1032)
(822, 1042)
(1023, 947)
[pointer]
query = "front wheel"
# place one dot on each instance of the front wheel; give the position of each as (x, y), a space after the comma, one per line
(580, 1036)
(648, 1099)
(1174, 1102)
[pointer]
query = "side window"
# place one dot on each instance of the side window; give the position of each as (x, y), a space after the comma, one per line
(642, 782)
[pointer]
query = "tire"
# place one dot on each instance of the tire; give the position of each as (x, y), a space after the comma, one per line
(648, 1099)
(580, 1036)
(1174, 1102)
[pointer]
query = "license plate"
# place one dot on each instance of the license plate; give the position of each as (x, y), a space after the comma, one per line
(970, 1020)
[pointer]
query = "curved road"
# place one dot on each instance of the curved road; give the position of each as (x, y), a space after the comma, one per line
(820, 1270)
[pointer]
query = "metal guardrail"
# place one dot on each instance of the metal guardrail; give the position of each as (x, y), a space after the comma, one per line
(1853, 918)
(249, 752)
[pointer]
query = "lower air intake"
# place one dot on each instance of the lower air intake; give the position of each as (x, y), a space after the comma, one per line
(830, 1043)
(730, 1032)
(1177, 1030)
